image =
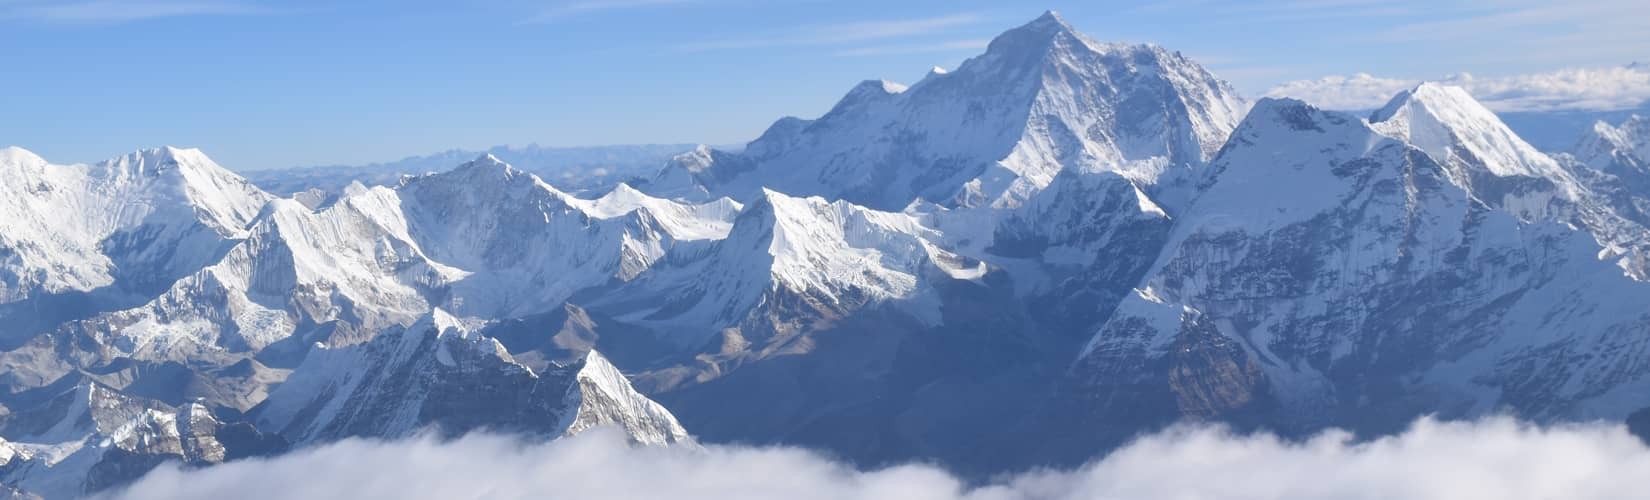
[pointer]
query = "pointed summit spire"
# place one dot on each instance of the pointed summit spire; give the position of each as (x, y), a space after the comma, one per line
(1044, 27)
(1050, 21)
(1448, 123)
(1035, 41)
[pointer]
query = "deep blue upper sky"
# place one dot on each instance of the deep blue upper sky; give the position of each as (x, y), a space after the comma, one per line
(261, 83)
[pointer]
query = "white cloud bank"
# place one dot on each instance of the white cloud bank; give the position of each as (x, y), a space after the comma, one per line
(1593, 89)
(1493, 459)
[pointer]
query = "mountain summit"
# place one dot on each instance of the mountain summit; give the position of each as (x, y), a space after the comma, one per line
(1042, 99)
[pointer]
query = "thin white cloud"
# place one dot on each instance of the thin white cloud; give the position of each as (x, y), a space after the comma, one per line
(953, 45)
(1522, 31)
(1504, 18)
(117, 11)
(843, 33)
(1493, 459)
(1594, 89)
(572, 9)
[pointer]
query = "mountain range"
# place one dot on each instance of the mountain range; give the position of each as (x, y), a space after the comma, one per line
(1022, 262)
(572, 168)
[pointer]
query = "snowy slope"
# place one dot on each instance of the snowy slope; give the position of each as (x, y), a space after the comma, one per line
(1494, 165)
(1333, 275)
(839, 255)
(139, 220)
(438, 374)
(1617, 149)
(1042, 99)
(484, 240)
(530, 246)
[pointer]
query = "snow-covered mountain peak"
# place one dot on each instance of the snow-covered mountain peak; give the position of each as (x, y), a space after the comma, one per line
(1605, 144)
(684, 221)
(219, 197)
(486, 165)
(1035, 42)
(156, 160)
(1446, 122)
(13, 155)
(152, 215)
(484, 181)
(1042, 99)
(1285, 146)
(1049, 24)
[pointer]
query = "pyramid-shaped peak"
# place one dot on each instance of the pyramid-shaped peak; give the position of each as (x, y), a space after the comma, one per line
(1049, 21)
(487, 159)
(1432, 95)
(1448, 124)
(486, 163)
(1033, 35)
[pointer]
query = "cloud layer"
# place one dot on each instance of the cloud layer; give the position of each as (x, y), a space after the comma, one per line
(1592, 89)
(1492, 459)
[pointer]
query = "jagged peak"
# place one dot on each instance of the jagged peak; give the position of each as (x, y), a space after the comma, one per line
(1605, 142)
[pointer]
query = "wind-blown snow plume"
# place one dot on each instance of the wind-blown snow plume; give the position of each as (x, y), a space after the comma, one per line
(1490, 459)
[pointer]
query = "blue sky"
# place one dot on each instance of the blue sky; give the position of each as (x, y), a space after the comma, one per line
(260, 83)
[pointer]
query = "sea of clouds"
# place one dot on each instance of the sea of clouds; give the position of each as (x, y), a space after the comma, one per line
(1574, 89)
(1495, 458)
